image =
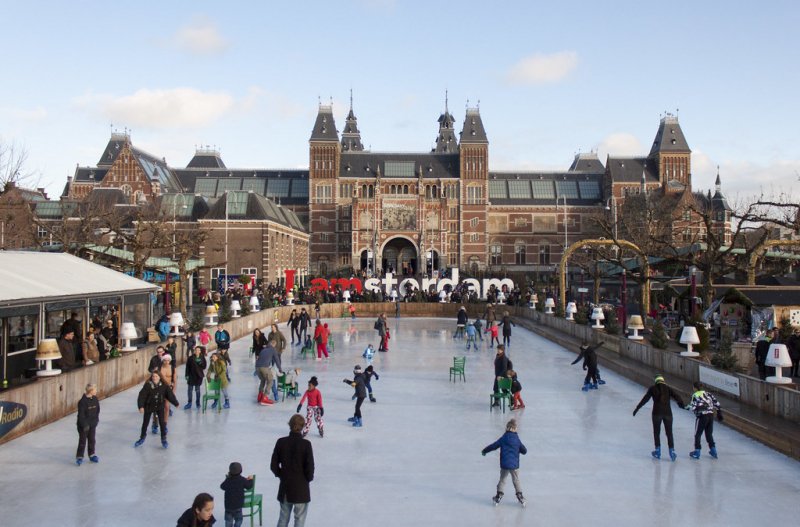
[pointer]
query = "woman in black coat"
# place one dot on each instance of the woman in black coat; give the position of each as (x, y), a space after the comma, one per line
(293, 462)
(195, 372)
(151, 402)
(88, 417)
(259, 341)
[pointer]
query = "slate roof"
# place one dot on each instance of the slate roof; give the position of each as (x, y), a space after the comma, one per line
(587, 162)
(89, 175)
(289, 187)
(473, 131)
(112, 150)
(204, 158)
(446, 140)
(351, 136)
(251, 206)
(544, 188)
(669, 137)
(399, 164)
(186, 207)
(324, 127)
(629, 169)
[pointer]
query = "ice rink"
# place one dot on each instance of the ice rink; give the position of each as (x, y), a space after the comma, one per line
(417, 460)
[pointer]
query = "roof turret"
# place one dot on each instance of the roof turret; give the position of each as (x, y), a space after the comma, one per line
(669, 137)
(351, 136)
(446, 140)
(325, 126)
(473, 131)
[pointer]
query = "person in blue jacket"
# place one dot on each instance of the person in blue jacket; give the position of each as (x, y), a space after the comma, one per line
(510, 448)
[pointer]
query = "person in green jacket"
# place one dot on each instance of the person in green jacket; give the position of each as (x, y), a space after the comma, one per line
(217, 370)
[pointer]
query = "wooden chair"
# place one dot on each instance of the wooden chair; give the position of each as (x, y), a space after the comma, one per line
(213, 393)
(252, 503)
(457, 370)
(502, 394)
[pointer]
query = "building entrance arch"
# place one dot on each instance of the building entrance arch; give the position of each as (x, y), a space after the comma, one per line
(399, 256)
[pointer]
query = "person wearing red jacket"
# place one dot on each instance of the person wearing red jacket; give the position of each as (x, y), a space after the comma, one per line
(314, 407)
(321, 338)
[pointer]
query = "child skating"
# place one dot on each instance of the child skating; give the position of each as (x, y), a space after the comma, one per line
(471, 337)
(369, 352)
(478, 329)
(314, 408)
(493, 332)
(369, 372)
(589, 356)
(661, 393)
(359, 383)
(510, 448)
(703, 404)
(516, 391)
(151, 402)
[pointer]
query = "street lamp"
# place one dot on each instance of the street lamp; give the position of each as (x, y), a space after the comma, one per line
(612, 202)
(566, 244)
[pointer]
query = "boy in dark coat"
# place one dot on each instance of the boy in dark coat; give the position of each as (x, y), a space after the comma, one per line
(703, 404)
(661, 393)
(369, 372)
(293, 462)
(589, 356)
(88, 417)
(234, 487)
(151, 402)
(510, 448)
(359, 383)
(195, 371)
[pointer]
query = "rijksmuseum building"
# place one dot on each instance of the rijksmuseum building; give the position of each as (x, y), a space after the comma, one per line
(390, 211)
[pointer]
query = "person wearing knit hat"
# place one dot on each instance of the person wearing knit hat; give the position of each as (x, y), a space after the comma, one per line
(359, 383)
(314, 409)
(234, 486)
(661, 393)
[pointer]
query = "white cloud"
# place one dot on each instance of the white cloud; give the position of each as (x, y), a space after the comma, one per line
(28, 115)
(619, 144)
(200, 37)
(744, 178)
(159, 109)
(541, 68)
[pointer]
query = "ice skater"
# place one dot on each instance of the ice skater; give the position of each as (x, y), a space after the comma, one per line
(478, 327)
(369, 352)
(359, 383)
(88, 417)
(492, 330)
(703, 404)
(661, 393)
(471, 336)
(510, 448)
(507, 323)
(516, 391)
(369, 372)
(234, 486)
(461, 323)
(314, 407)
(151, 401)
(589, 356)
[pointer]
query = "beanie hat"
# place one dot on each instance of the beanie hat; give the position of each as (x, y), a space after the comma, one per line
(313, 381)
(357, 369)
(166, 356)
(235, 469)
(659, 379)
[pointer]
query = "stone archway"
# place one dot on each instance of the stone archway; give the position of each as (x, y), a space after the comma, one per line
(399, 256)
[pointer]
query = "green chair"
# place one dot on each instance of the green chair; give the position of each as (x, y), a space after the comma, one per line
(252, 503)
(251, 352)
(307, 350)
(330, 344)
(213, 393)
(502, 394)
(458, 369)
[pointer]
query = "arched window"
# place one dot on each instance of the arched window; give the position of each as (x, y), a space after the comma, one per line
(126, 189)
(405, 189)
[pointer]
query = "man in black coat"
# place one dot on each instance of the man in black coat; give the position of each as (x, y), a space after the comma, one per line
(88, 417)
(293, 462)
(661, 393)
(762, 348)
(151, 402)
(501, 366)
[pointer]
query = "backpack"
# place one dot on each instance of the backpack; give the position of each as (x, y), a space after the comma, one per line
(377, 325)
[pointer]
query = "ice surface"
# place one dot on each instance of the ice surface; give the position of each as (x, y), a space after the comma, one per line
(417, 459)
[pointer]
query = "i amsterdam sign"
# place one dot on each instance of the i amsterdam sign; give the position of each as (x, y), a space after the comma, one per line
(388, 283)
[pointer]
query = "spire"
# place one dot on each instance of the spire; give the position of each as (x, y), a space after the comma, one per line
(446, 140)
(351, 136)
(718, 184)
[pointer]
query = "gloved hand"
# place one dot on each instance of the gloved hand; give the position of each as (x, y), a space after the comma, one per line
(634, 412)
(483, 453)
(585, 368)
(299, 406)
(321, 411)
(376, 377)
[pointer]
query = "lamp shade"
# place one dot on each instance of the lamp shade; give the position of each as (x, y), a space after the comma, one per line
(176, 319)
(550, 302)
(689, 335)
(254, 302)
(777, 356)
(235, 305)
(635, 322)
(211, 310)
(572, 307)
(47, 349)
(128, 331)
(597, 314)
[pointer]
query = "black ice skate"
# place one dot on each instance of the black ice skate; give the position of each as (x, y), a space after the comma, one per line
(521, 498)
(497, 498)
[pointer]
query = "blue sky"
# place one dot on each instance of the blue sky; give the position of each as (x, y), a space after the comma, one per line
(552, 79)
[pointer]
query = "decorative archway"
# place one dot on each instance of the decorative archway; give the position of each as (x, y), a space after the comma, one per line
(399, 254)
(761, 252)
(562, 268)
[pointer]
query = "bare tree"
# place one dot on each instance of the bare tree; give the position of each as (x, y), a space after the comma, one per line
(142, 230)
(13, 159)
(73, 224)
(185, 244)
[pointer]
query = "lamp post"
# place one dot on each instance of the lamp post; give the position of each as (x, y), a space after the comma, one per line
(611, 205)
(225, 285)
(693, 275)
(566, 244)
(168, 297)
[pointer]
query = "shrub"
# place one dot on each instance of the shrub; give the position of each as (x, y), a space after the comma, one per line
(612, 324)
(196, 323)
(702, 332)
(658, 337)
(785, 330)
(724, 359)
(581, 317)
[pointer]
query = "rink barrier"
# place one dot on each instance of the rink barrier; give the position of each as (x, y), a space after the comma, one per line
(51, 398)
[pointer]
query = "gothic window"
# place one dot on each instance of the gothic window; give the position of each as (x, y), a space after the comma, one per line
(544, 253)
(473, 223)
(324, 193)
(519, 253)
(126, 189)
(474, 194)
(496, 254)
(405, 189)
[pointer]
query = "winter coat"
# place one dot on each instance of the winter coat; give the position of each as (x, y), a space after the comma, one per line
(489, 316)
(294, 320)
(152, 396)
(191, 342)
(321, 335)
(500, 365)
(90, 350)
(155, 363)
(588, 355)
(195, 370)
(110, 334)
(304, 320)
(359, 382)
(293, 462)
(507, 323)
(380, 326)
(703, 403)
(88, 412)
(167, 373)
(280, 340)
(217, 370)
(516, 386)
(163, 328)
(314, 397)
(259, 343)
(510, 448)
(762, 349)
(223, 339)
(268, 357)
(188, 519)
(661, 393)
(461, 317)
(204, 337)
(67, 354)
(234, 487)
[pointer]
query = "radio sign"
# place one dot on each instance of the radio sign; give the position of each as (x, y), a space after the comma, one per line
(11, 414)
